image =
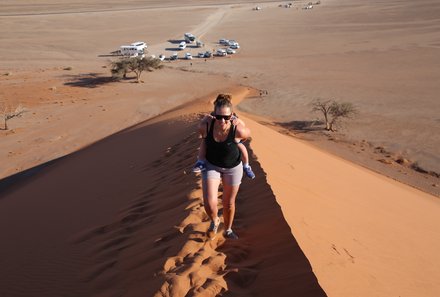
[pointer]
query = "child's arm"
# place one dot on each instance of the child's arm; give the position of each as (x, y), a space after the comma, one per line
(202, 150)
(244, 153)
(242, 133)
(204, 124)
(245, 156)
(203, 130)
(237, 121)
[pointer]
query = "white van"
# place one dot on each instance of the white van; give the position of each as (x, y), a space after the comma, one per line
(136, 49)
(131, 51)
(189, 38)
(139, 44)
(182, 45)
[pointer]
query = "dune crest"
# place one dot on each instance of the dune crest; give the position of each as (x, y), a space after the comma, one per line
(364, 234)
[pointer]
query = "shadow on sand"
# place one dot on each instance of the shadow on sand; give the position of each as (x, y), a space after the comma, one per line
(267, 255)
(15, 180)
(172, 49)
(302, 126)
(89, 80)
(175, 41)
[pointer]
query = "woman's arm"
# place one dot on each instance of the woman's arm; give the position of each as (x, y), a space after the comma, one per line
(242, 132)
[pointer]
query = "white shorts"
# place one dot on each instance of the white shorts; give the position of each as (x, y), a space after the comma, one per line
(229, 176)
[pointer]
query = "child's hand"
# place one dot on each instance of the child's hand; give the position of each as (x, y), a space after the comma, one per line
(234, 120)
(208, 117)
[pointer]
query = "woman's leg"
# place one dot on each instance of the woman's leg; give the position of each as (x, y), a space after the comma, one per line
(229, 195)
(210, 197)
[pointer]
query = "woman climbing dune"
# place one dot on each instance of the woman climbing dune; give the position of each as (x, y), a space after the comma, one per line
(221, 134)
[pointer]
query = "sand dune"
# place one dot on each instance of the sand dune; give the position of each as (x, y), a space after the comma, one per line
(132, 223)
(365, 234)
(98, 207)
(112, 220)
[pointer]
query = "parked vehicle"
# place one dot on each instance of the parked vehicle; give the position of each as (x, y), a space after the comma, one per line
(199, 43)
(230, 51)
(189, 38)
(136, 49)
(221, 52)
(140, 44)
(161, 57)
(223, 41)
(235, 46)
(182, 45)
(188, 56)
(208, 54)
(174, 56)
(201, 55)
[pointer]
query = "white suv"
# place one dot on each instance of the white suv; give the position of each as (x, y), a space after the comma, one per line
(221, 52)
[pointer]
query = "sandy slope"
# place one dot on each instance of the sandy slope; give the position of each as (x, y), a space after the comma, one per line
(112, 220)
(123, 217)
(364, 234)
(84, 108)
(132, 223)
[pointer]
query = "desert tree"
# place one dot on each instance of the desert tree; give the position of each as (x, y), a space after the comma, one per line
(333, 111)
(120, 68)
(136, 65)
(323, 107)
(8, 112)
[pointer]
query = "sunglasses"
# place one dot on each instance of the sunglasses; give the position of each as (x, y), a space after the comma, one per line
(219, 117)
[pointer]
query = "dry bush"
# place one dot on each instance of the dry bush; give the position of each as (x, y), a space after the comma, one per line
(8, 111)
(333, 111)
(120, 68)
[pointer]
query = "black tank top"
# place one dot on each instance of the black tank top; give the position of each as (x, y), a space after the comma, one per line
(223, 154)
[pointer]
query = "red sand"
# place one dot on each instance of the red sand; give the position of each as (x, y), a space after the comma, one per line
(89, 210)
(132, 223)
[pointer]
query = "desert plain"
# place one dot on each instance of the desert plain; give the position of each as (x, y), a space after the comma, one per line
(97, 197)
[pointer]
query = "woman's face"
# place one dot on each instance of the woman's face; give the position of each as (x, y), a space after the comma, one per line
(222, 115)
